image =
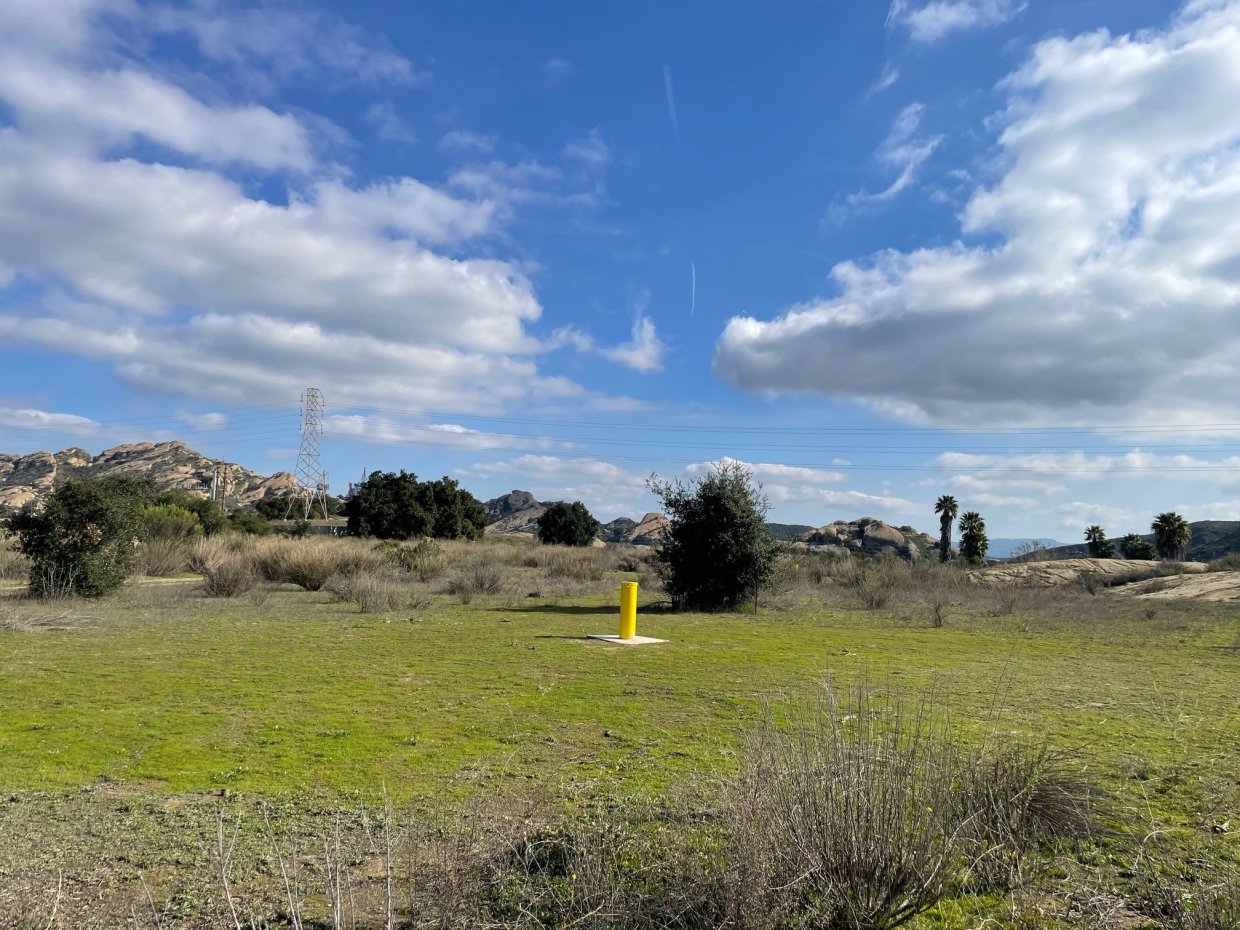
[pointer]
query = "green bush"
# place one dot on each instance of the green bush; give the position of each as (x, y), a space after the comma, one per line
(168, 522)
(716, 553)
(249, 521)
(564, 524)
(211, 517)
(82, 540)
(399, 506)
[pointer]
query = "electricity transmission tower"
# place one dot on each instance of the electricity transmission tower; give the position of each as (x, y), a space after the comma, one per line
(311, 478)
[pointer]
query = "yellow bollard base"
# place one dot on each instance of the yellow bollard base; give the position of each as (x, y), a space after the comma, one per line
(632, 641)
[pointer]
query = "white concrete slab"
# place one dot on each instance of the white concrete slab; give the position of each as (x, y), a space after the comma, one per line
(635, 641)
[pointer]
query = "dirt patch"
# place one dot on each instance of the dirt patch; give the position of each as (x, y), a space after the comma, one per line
(1054, 574)
(1213, 586)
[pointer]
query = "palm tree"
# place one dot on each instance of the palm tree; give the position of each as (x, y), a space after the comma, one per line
(1171, 534)
(973, 539)
(1096, 539)
(946, 507)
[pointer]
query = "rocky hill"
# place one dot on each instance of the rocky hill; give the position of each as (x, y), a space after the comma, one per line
(518, 512)
(171, 465)
(868, 536)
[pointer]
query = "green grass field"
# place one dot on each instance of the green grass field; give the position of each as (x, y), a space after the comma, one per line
(156, 695)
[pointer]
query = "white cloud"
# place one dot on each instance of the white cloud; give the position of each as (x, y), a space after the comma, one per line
(643, 352)
(904, 151)
(40, 420)
(112, 107)
(556, 69)
(606, 489)
(1080, 465)
(1117, 521)
(772, 472)
(282, 43)
(462, 140)
(841, 504)
(389, 125)
(204, 421)
(1099, 276)
(382, 429)
(135, 244)
(934, 21)
(591, 150)
(886, 80)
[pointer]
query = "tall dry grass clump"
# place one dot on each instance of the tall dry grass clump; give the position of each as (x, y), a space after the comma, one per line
(13, 565)
(376, 592)
(863, 810)
(310, 562)
(477, 577)
(160, 556)
(850, 813)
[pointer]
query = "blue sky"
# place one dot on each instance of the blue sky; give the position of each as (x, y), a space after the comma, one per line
(878, 251)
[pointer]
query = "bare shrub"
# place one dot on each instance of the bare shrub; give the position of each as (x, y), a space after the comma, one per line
(1015, 799)
(1228, 563)
(228, 575)
(1209, 907)
(476, 578)
(872, 582)
(849, 813)
(374, 592)
(938, 612)
(159, 556)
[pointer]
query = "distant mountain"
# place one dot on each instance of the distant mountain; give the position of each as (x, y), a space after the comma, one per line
(1003, 547)
(1211, 539)
(788, 531)
(170, 465)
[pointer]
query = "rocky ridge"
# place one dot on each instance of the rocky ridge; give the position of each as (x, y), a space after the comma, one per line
(867, 536)
(170, 465)
(518, 512)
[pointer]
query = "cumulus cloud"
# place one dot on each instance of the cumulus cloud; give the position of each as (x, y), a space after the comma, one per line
(1098, 280)
(643, 352)
(384, 429)
(932, 22)
(772, 472)
(128, 217)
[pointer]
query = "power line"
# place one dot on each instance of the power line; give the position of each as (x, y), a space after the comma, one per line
(859, 430)
(1037, 470)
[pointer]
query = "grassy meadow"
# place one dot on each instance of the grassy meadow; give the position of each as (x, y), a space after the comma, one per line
(162, 751)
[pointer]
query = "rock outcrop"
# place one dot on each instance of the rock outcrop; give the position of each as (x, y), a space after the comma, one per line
(170, 465)
(517, 512)
(646, 532)
(868, 536)
(1054, 573)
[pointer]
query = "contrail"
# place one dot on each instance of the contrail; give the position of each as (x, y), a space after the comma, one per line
(692, 287)
(671, 100)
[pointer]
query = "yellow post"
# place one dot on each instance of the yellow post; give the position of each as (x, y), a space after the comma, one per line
(628, 609)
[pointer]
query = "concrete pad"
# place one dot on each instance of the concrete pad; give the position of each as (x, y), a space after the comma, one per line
(635, 641)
